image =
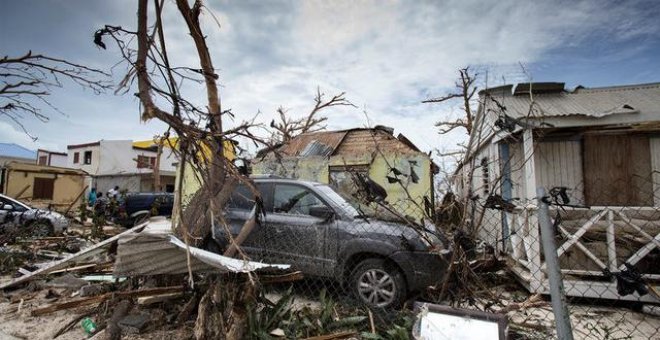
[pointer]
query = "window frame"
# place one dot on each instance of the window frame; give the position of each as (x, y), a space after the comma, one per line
(317, 196)
(86, 160)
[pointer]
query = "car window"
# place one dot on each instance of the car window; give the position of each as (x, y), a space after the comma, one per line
(17, 207)
(292, 199)
(241, 198)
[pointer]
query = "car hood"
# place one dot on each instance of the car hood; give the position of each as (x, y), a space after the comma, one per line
(398, 230)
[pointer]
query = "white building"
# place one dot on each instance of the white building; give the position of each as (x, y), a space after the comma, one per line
(52, 158)
(601, 148)
(121, 163)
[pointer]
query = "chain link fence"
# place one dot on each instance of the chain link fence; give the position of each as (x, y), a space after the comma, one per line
(608, 254)
(361, 266)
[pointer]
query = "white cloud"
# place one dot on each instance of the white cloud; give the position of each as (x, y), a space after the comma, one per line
(387, 56)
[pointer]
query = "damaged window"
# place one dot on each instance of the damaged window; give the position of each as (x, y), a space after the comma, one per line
(88, 157)
(292, 199)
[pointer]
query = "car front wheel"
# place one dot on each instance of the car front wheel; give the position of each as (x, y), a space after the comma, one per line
(378, 284)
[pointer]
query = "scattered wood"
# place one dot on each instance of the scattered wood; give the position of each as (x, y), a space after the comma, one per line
(535, 300)
(113, 330)
(75, 200)
(70, 324)
(288, 277)
(22, 191)
(149, 300)
(87, 252)
(49, 254)
(187, 310)
(101, 298)
(371, 321)
(77, 268)
(340, 335)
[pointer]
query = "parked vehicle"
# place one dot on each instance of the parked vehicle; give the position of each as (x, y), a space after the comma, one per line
(133, 208)
(37, 222)
(311, 227)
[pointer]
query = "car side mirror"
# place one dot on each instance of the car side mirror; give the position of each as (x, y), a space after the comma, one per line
(321, 211)
(8, 207)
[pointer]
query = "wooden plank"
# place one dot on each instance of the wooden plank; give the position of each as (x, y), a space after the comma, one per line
(611, 242)
(152, 299)
(629, 222)
(75, 200)
(575, 237)
(642, 252)
(87, 252)
(617, 170)
(100, 298)
(584, 249)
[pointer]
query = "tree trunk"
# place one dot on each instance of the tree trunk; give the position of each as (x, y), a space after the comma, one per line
(222, 312)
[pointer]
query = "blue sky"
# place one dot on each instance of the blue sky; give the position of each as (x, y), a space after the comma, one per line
(387, 56)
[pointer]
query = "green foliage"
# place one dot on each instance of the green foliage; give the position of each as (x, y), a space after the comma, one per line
(300, 323)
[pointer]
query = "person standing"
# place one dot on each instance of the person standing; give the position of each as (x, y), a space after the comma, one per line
(114, 192)
(91, 199)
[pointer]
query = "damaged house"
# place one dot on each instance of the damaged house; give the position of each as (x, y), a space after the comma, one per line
(337, 157)
(596, 151)
(124, 163)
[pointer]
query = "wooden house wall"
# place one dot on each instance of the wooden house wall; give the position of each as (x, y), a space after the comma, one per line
(655, 167)
(559, 163)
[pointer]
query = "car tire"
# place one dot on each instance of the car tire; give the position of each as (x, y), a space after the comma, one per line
(139, 219)
(40, 228)
(378, 283)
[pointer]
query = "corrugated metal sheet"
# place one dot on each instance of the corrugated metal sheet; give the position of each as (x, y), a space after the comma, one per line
(296, 146)
(360, 141)
(316, 148)
(596, 102)
(156, 251)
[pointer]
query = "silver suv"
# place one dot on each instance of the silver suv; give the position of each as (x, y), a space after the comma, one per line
(36, 222)
(318, 232)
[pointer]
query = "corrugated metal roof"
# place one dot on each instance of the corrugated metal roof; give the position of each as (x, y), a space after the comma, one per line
(156, 251)
(325, 139)
(594, 102)
(352, 141)
(16, 151)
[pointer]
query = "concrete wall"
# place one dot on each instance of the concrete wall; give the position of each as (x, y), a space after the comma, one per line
(93, 167)
(53, 159)
(66, 187)
(130, 183)
(112, 157)
(317, 169)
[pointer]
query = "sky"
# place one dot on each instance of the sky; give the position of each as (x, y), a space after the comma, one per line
(387, 56)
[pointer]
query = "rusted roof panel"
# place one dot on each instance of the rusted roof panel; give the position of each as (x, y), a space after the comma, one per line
(367, 140)
(595, 102)
(324, 139)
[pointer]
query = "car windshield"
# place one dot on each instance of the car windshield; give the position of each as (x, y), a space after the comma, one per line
(19, 206)
(338, 200)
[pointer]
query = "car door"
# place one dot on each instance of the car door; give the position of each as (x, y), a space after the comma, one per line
(293, 236)
(4, 214)
(239, 210)
(10, 217)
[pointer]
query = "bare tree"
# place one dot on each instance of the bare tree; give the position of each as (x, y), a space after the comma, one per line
(287, 128)
(202, 135)
(465, 90)
(26, 82)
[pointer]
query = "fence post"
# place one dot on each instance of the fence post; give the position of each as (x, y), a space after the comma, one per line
(557, 293)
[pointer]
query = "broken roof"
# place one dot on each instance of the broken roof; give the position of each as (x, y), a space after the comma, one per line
(552, 100)
(328, 143)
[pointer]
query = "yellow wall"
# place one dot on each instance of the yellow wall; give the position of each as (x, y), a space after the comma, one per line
(191, 180)
(65, 188)
(317, 169)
